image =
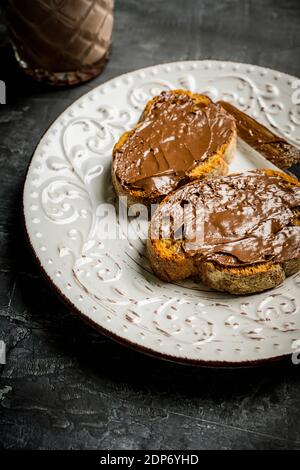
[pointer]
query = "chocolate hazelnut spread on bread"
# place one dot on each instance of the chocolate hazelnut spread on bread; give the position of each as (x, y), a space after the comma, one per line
(246, 218)
(175, 134)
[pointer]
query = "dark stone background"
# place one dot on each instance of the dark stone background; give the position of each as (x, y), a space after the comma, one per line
(66, 386)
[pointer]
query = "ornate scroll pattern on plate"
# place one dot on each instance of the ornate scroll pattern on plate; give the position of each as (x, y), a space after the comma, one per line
(115, 275)
(139, 95)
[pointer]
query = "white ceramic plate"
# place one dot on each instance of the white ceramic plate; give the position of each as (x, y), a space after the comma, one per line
(109, 282)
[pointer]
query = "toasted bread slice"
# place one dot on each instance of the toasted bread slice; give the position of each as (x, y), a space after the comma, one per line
(181, 136)
(250, 232)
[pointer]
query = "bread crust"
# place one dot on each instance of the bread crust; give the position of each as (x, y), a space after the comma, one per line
(215, 165)
(170, 264)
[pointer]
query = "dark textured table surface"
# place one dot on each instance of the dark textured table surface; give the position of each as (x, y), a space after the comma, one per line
(66, 386)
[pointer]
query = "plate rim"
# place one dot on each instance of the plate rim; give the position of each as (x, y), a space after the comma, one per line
(267, 361)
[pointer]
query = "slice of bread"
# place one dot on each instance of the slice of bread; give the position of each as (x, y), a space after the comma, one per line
(181, 136)
(249, 227)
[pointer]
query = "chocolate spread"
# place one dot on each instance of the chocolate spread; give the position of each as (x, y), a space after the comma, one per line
(173, 137)
(244, 218)
(274, 148)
